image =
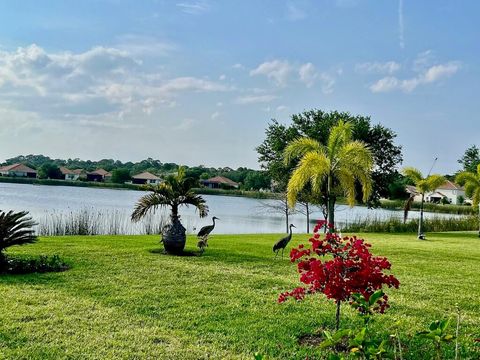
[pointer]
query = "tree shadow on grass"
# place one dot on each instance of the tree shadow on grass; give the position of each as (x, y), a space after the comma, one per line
(185, 253)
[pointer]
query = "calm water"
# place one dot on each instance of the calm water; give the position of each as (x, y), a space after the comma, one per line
(238, 215)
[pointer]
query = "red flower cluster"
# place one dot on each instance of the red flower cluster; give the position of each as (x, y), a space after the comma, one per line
(339, 267)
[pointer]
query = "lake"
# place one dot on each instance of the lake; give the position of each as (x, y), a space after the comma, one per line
(237, 214)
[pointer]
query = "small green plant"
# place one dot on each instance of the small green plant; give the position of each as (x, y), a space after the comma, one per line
(16, 228)
(27, 265)
(438, 333)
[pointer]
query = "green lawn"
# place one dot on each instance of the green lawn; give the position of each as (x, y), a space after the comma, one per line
(120, 300)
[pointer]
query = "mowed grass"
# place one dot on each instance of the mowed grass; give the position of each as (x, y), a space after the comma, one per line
(120, 300)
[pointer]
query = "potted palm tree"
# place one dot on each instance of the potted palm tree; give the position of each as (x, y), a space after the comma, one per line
(174, 192)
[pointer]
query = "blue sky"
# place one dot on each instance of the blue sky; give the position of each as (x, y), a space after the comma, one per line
(196, 82)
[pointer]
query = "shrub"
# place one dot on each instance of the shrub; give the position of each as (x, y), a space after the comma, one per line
(349, 268)
(26, 265)
(16, 228)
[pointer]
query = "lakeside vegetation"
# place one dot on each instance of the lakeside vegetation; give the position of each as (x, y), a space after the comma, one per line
(225, 307)
(397, 225)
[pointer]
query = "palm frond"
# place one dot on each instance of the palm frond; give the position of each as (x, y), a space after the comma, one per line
(434, 181)
(312, 166)
(16, 228)
(299, 147)
(413, 174)
(340, 135)
(467, 177)
(197, 201)
(347, 184)
(147, 203)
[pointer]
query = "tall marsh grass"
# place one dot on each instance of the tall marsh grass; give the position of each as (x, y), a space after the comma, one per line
(396, 225)
(430, 207)
(89, 221)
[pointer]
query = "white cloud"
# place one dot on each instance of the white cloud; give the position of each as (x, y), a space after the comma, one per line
(255, 99)
(308, 74)
(277, 70)
(280, 71)
(429, 75)
(294, 13)
(282, 108)
(215, 115)
(194, 7)
(238, 66)
(388, 67)
(98, 81)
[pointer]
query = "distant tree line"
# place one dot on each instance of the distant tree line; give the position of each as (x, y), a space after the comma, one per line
(249, 179)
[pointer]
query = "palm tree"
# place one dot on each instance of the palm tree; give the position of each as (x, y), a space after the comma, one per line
(330, 169)
(422, 186)
(471, 181)
(16, 228)
(174, 192)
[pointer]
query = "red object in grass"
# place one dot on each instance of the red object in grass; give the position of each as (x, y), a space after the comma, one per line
(349, 268)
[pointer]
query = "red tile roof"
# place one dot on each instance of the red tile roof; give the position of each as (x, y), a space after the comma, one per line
(101, 172)
(146, 176)
(448, 185)
(221, 180)
(17, 167)
(66, 171)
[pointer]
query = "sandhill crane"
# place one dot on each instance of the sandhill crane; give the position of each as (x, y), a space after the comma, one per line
(282, 243)
(203, 234)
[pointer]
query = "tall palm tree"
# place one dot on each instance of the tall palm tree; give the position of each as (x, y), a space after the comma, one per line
(330, 169)
(174, 192)
(16, 228)
(471, 181)
(422, 186)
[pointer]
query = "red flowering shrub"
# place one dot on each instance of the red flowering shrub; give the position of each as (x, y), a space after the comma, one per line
(339, 267)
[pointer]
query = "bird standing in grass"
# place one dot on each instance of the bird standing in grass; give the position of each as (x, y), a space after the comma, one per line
(282, 243)
(203, 235)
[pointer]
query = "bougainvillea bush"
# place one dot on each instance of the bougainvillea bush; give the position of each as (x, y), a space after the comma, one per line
(339, 267)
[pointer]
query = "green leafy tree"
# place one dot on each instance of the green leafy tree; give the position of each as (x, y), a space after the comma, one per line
(174, 192)
(471, 181)
(470, 159)
(423, 186)
(16, 228)
(256, 180)
(49, 171)
(317, 124)
(120, 176)
(338, 165)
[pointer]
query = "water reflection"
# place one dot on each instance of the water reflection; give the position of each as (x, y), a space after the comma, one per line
(238, 215)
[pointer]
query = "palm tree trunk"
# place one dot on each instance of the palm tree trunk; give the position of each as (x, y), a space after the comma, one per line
(308, 217)
(174, 214)
(330, 205)
(420, 223)
(286, 215)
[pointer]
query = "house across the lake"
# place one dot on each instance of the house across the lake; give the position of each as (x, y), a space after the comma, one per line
(99, 175)
(219, 182)
(18, 170)
(68, 174)
(145, 178)
(449, 190)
